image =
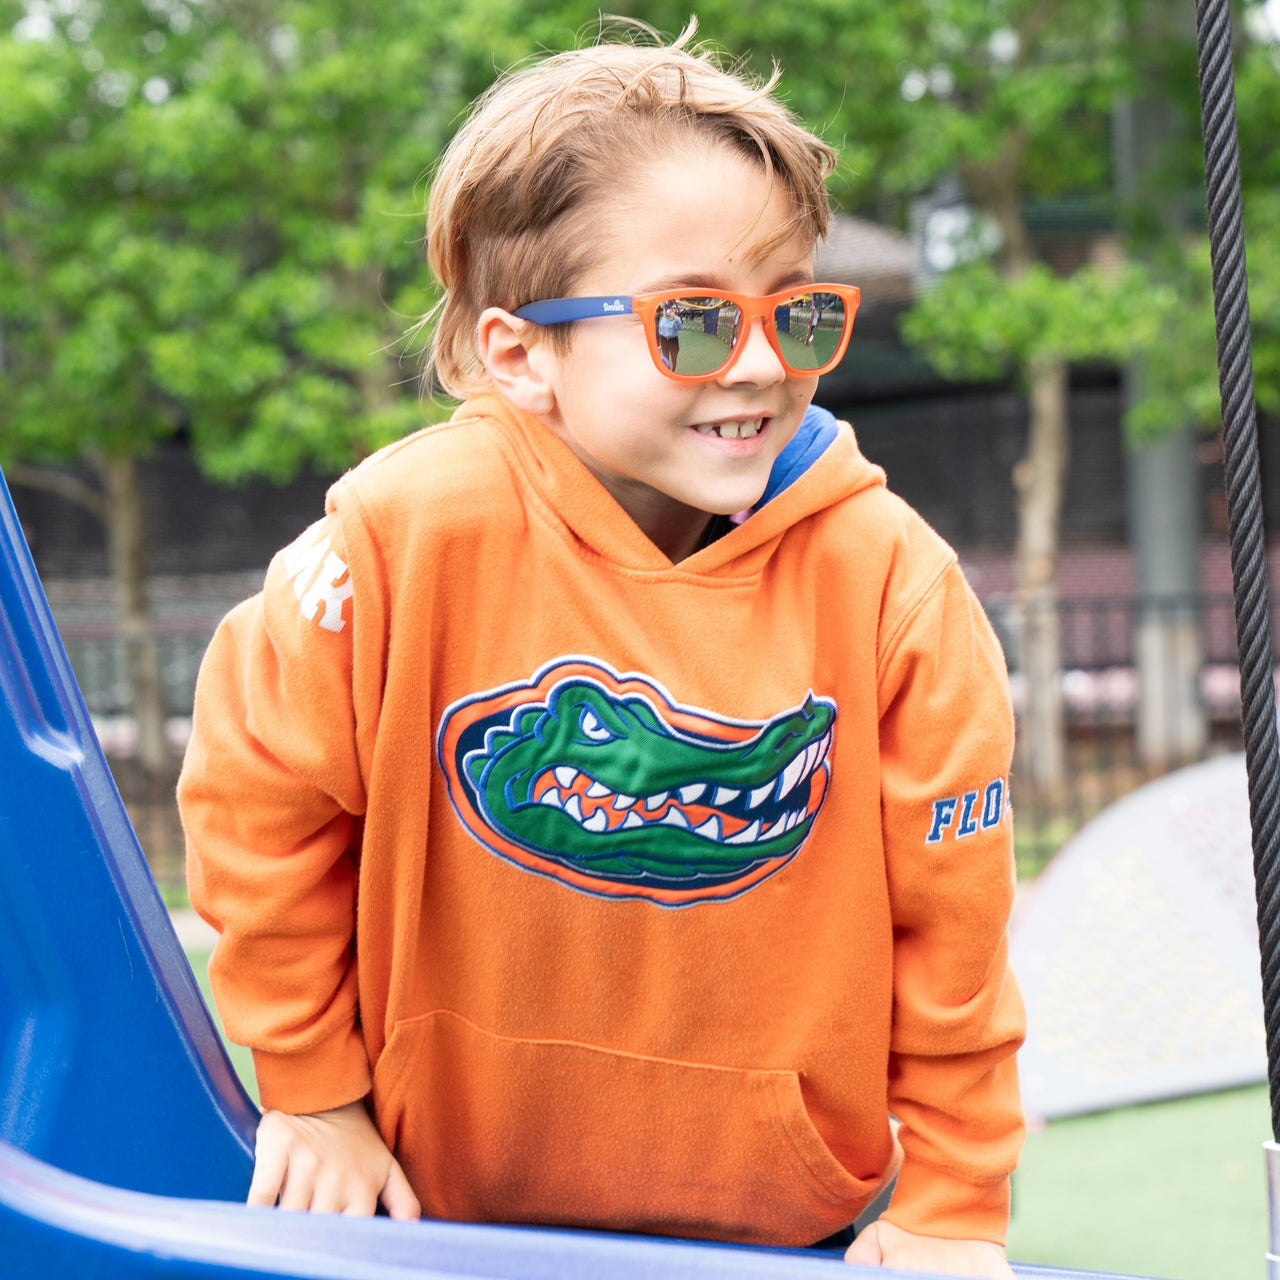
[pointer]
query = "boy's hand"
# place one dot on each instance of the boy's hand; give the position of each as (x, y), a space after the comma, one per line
(329, 1162)
(881, 1244)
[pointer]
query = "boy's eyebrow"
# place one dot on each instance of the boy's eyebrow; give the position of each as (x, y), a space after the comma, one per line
(713, 283)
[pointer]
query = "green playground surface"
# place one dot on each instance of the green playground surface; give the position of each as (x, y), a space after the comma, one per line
(1174, 1189)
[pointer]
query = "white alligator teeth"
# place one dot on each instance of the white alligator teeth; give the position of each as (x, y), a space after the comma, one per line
(597, 822)
(728, 430)
(746, 835)
(657, 801)
(674, 818)
(690, 793)
(596, 790)
(550, 796)
(790, 775)
(760, 795)
(565, 774)
(573, 807)
(725, 794)
(776, 830)
(623, 802)
(633, 820)
(710, 829)
(810, 759)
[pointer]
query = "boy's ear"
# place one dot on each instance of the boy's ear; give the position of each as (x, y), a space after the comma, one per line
(513, 358)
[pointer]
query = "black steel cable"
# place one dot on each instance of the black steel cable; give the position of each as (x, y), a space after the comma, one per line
(1244, 499)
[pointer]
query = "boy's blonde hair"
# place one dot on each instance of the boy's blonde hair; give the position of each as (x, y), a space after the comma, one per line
(510, 218)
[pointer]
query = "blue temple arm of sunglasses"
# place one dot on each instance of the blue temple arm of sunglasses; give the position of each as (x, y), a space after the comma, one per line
(561, 310)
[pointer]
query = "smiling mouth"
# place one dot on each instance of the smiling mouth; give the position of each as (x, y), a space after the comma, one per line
(741, 430)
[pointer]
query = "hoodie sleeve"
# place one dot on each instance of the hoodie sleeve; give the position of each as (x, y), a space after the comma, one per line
(271, 795)
(946, 731)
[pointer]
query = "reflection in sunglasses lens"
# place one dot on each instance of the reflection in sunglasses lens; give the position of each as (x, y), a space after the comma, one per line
(810, 327)
(696, 335)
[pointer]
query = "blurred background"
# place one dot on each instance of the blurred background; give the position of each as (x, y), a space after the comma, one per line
(211, 224)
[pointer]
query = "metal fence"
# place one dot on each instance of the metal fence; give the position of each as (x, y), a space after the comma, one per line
(1143, 687)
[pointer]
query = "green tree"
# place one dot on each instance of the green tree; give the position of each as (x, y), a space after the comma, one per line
(210, 225)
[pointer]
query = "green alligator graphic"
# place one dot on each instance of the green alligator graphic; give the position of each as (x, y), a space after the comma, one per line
(605, 778)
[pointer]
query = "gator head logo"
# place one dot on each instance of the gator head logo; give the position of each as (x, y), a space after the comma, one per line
(604, 783)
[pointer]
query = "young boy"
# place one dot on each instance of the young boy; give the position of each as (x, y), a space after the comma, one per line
(583, 855)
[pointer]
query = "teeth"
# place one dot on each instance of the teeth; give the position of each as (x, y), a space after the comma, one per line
(776, 830)
(690, 793)
(731, 430)
(760, 795)
(623, 802)
(790, 775)
(633, 820)
(595, 790)
(746, 835)
(674, 818)
(657, 801)
(725, 794)
(565, 774)
(573, 807)
(597, 822)
(550, 796)
(710, 829)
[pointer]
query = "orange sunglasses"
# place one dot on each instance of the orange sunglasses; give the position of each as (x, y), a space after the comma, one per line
(696, 337)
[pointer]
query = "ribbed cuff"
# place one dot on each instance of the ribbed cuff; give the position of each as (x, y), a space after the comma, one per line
(327, 1075)
(932, 1202)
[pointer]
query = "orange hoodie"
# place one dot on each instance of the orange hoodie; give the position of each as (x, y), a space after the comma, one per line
(639, 894)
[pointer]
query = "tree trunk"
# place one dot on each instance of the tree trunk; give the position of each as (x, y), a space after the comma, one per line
(126, 550)
(1039, 479)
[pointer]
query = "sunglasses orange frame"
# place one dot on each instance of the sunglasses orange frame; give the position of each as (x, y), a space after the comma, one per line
(750, 307)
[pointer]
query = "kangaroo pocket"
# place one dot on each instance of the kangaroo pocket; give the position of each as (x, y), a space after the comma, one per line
(491, 1128)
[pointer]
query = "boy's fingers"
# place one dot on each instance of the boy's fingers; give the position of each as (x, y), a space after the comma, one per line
(268, 1175)
(330, 1195)
(363, 1204)
(865, 1250)
(299, 1184)
(397, 1196)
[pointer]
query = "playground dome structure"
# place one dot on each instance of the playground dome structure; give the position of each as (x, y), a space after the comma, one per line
(126, 1139)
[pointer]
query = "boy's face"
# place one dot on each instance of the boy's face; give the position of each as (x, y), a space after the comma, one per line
(701, 218)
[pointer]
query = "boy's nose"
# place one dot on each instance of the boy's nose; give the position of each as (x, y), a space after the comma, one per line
(758, 363)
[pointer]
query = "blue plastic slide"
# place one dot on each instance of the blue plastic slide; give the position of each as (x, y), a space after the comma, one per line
(125, 1137)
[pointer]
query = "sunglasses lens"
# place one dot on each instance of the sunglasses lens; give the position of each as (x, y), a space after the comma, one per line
(696, 334)
(810, 327)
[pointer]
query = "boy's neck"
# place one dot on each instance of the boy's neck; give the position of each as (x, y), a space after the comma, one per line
(679, 540)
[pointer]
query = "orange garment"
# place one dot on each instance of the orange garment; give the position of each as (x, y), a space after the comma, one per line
(640, 895)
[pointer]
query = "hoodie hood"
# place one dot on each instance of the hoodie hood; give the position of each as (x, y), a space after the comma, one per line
(821, 465)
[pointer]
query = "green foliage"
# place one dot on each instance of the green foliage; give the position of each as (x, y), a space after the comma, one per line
(1178, 345)
(975, 324)
(211, 214)
(210, 222)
